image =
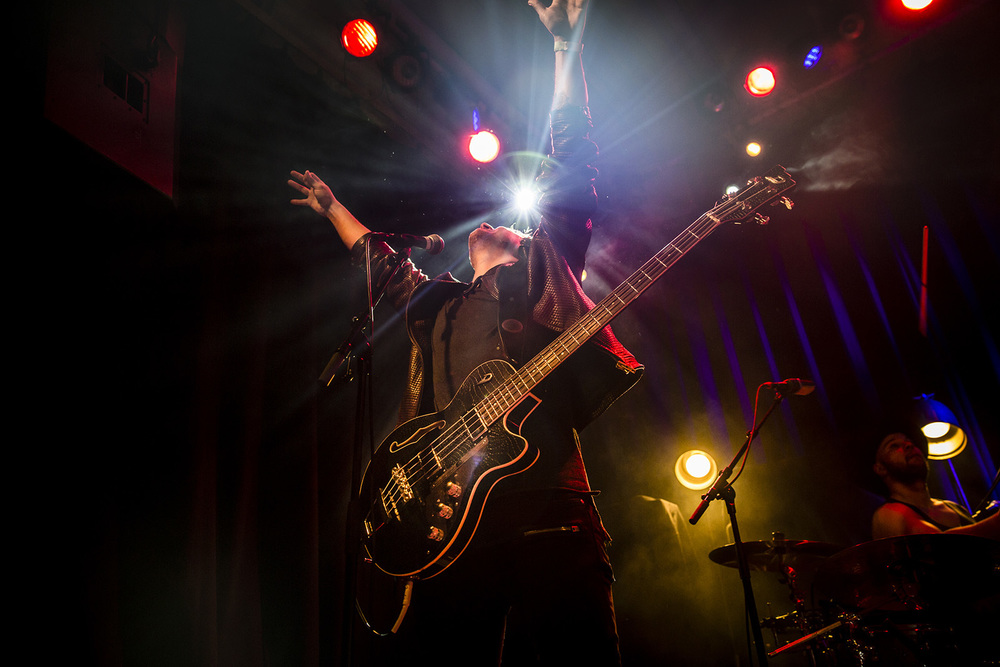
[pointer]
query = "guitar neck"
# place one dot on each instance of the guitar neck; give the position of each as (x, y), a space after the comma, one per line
(738, 207)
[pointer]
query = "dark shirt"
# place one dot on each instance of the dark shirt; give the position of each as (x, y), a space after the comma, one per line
(465, 335)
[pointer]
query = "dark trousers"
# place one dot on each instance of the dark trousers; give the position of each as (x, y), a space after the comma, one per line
(534, 588)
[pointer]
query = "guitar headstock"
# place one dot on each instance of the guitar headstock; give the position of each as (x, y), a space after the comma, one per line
(757, 192)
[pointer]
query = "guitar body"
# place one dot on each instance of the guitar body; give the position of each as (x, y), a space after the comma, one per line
(428, 481)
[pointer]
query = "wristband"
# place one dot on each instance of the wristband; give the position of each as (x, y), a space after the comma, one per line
(563, 45)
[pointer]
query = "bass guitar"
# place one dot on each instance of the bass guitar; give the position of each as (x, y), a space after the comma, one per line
(427, 483)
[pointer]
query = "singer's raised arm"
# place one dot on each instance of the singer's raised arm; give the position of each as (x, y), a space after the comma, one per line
(317, 195)
(356, 237)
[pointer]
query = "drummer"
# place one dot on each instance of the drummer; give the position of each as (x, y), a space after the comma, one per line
(909, 508)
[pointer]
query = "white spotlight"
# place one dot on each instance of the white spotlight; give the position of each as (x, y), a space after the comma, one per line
(525, 199)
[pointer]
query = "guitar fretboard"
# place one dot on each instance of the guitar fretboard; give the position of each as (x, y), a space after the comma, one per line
(518, 385)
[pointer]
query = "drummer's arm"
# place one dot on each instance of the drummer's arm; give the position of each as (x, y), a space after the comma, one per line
(988, 527)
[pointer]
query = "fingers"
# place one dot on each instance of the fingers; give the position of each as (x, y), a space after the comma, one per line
(304, 182)
(560, 16)
(300, 185)
(307, 178)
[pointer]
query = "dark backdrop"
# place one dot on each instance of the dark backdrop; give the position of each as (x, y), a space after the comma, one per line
(203, 472)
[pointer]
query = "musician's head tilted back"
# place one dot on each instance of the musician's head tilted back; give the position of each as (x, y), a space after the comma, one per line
(909, 508)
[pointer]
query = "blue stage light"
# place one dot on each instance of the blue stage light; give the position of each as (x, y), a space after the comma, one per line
(815, 53)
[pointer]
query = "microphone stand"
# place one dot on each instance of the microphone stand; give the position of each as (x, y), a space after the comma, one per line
(724, 490)
(356, 347)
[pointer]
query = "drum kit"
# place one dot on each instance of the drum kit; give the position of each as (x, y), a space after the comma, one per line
(920, 600)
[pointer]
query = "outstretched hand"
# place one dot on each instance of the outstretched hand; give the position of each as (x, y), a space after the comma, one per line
(565, 19)
(316, 194)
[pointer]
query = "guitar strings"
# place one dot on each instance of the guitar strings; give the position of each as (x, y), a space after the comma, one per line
(420, 467)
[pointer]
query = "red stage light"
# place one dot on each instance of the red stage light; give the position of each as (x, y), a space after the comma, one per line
(916, 5)
(484, 146)
(359, 38)
(759, 82)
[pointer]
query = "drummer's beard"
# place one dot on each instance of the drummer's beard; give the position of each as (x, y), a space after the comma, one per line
(913, 469)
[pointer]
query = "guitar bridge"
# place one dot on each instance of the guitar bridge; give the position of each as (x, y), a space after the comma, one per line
(399, 490)
(399, 477)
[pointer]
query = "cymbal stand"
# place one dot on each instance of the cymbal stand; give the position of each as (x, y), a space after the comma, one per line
(722, 488)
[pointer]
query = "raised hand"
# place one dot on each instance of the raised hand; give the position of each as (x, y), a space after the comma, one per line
(317, 195)
(565, 19)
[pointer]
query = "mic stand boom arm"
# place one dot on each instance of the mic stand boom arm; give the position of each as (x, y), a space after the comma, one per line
(723, 489)
(341, 358)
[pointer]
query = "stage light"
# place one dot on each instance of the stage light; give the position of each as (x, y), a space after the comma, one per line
(714, 101)
(359, 38)
(406, 69)
(759, 82)
(916, 5)
(815, 53)
(696, 469)
(484, 146)
(945, 438)
(525, 199)
(753, 149)
(851, 27)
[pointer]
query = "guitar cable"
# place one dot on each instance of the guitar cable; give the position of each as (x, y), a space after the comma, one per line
(404, 607)
(407, 593)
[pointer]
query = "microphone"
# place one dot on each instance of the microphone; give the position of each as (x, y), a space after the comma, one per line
(793, 386)
(432, 244)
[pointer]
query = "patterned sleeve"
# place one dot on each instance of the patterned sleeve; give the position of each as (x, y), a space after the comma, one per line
(566, 182)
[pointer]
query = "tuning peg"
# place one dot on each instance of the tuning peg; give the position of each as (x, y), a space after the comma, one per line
(761, 219)
(785, 201)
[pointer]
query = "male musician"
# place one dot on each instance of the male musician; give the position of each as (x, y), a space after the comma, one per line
(909, 509)
(538, 551)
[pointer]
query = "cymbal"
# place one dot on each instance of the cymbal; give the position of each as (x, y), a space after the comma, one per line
(775, 555)
(913, 573)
